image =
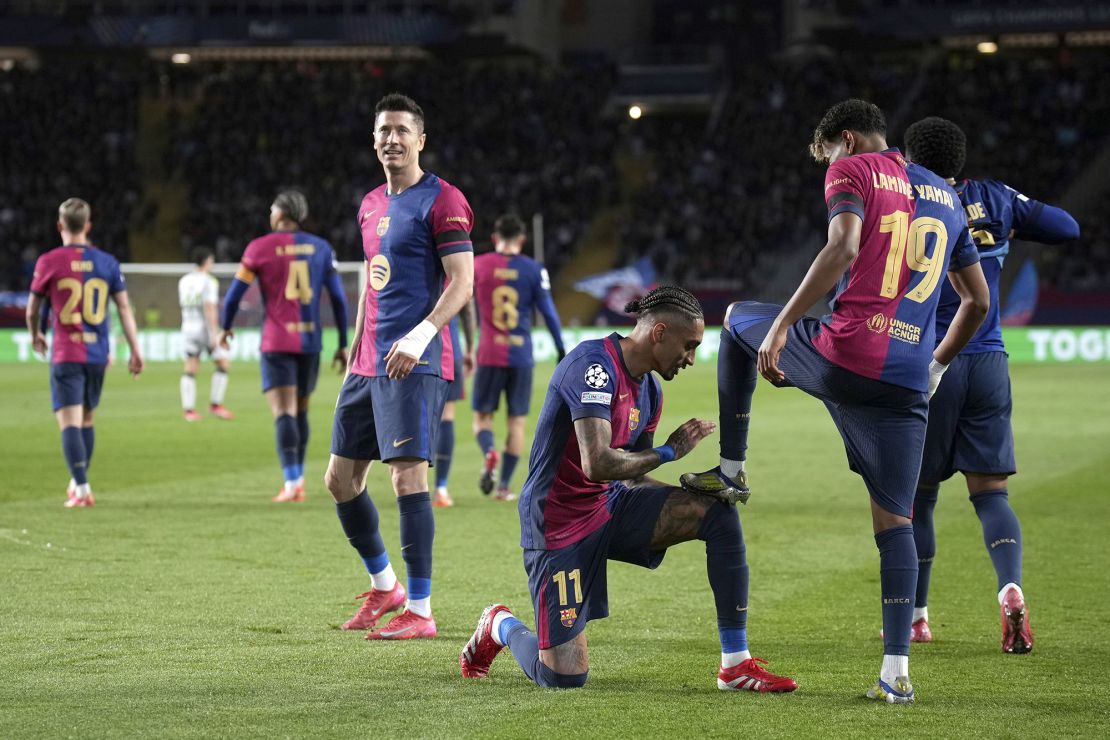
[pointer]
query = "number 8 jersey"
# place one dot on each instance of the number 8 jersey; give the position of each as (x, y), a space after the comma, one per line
(78, 280)
(291, 267)
(508, 289)
(884, 309)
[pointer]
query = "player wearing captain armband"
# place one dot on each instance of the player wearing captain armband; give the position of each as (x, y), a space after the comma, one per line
(292, 266)
(416, 238)
(895, 229)
(600, 417)
(76, 279)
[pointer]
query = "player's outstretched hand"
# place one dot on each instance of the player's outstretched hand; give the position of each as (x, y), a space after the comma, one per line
(339, 362)
(687, 436)
(225, 338)
(398, 365)
(767, 361)
(135, 364)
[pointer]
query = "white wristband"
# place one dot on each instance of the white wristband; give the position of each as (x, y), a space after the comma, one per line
(936, 372)
(416, 341)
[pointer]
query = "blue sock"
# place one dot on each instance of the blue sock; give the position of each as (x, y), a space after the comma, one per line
(898, 574)
(88, 434)
(73, 447)
(285, 428)
(1001, 534)
(485, 440)
(508, 465)
(727, 566)
(359, 519)
(445, 450)
(925, 539)
(302, 438)
(736, 381)
(418, 530)
(525, 647)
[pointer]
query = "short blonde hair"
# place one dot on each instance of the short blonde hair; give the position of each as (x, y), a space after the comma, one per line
(74, 215)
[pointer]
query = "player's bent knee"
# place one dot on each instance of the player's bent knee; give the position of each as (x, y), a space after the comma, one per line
(720, 527)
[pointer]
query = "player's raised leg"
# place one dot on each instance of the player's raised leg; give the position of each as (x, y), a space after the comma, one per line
(1002, 537)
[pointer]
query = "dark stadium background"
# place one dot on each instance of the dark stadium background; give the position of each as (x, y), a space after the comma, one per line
(179, 121)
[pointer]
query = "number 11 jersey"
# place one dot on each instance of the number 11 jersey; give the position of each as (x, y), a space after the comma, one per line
(883, 318)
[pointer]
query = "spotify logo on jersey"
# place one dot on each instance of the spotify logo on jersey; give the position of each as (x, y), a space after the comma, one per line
(379, 272)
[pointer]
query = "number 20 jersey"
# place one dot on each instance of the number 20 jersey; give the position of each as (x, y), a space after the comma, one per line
(883, 317)
(78, 280)
(292, 267)
(507, 290)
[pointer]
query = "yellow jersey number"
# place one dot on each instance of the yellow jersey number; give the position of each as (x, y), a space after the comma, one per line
(907, 244)
(561, 579)
(298, 286)
(506, 315)
(92, 295)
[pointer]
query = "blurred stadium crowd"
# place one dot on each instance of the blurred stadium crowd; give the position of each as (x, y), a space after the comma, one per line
(719, 192)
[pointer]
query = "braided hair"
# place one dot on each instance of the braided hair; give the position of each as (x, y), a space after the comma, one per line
(667, 299)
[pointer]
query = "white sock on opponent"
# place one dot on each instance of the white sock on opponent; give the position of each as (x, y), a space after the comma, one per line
(1007, 587)
(188, 392)
(219, 388)
(921, 613)
(731, 468)
(894, 666)
(728, 660)
(384, 580)
(423, 607)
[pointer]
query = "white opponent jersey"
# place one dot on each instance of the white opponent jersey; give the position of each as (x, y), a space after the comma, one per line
(193, 291)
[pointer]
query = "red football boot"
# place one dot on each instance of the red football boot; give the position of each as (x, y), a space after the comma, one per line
(479, 653)
(191, 415)
(376, 605)
(750, 676)
(920, 632)
(504, 494)
(485, 483)
(1017, 636)
(218, 410)
(295, 496)
(408, 625)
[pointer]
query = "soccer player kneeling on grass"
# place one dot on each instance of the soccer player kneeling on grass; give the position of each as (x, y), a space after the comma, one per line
(600, 416)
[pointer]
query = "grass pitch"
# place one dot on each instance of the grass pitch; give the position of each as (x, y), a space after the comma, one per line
(187, 605)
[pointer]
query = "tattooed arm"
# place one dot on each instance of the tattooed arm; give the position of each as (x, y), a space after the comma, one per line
(600, 462)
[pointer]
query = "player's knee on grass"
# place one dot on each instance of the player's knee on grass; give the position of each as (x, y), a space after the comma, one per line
(549, 679)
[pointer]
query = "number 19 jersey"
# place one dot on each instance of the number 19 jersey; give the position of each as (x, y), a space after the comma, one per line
(291, 267)
(78, 280)
(883, 317)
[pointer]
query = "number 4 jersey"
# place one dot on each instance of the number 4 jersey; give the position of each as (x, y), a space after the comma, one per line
(291, 267)
(914, 230)
(78, 280)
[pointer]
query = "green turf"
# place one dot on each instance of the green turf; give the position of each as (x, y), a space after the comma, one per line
(187, 605)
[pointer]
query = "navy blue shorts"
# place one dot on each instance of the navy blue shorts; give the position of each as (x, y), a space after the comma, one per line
(76, 384)
(382, 419)
(290, 368)
(516, 382)
(456, 390)
(569, 585)
(969, 420)
(882, 425)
